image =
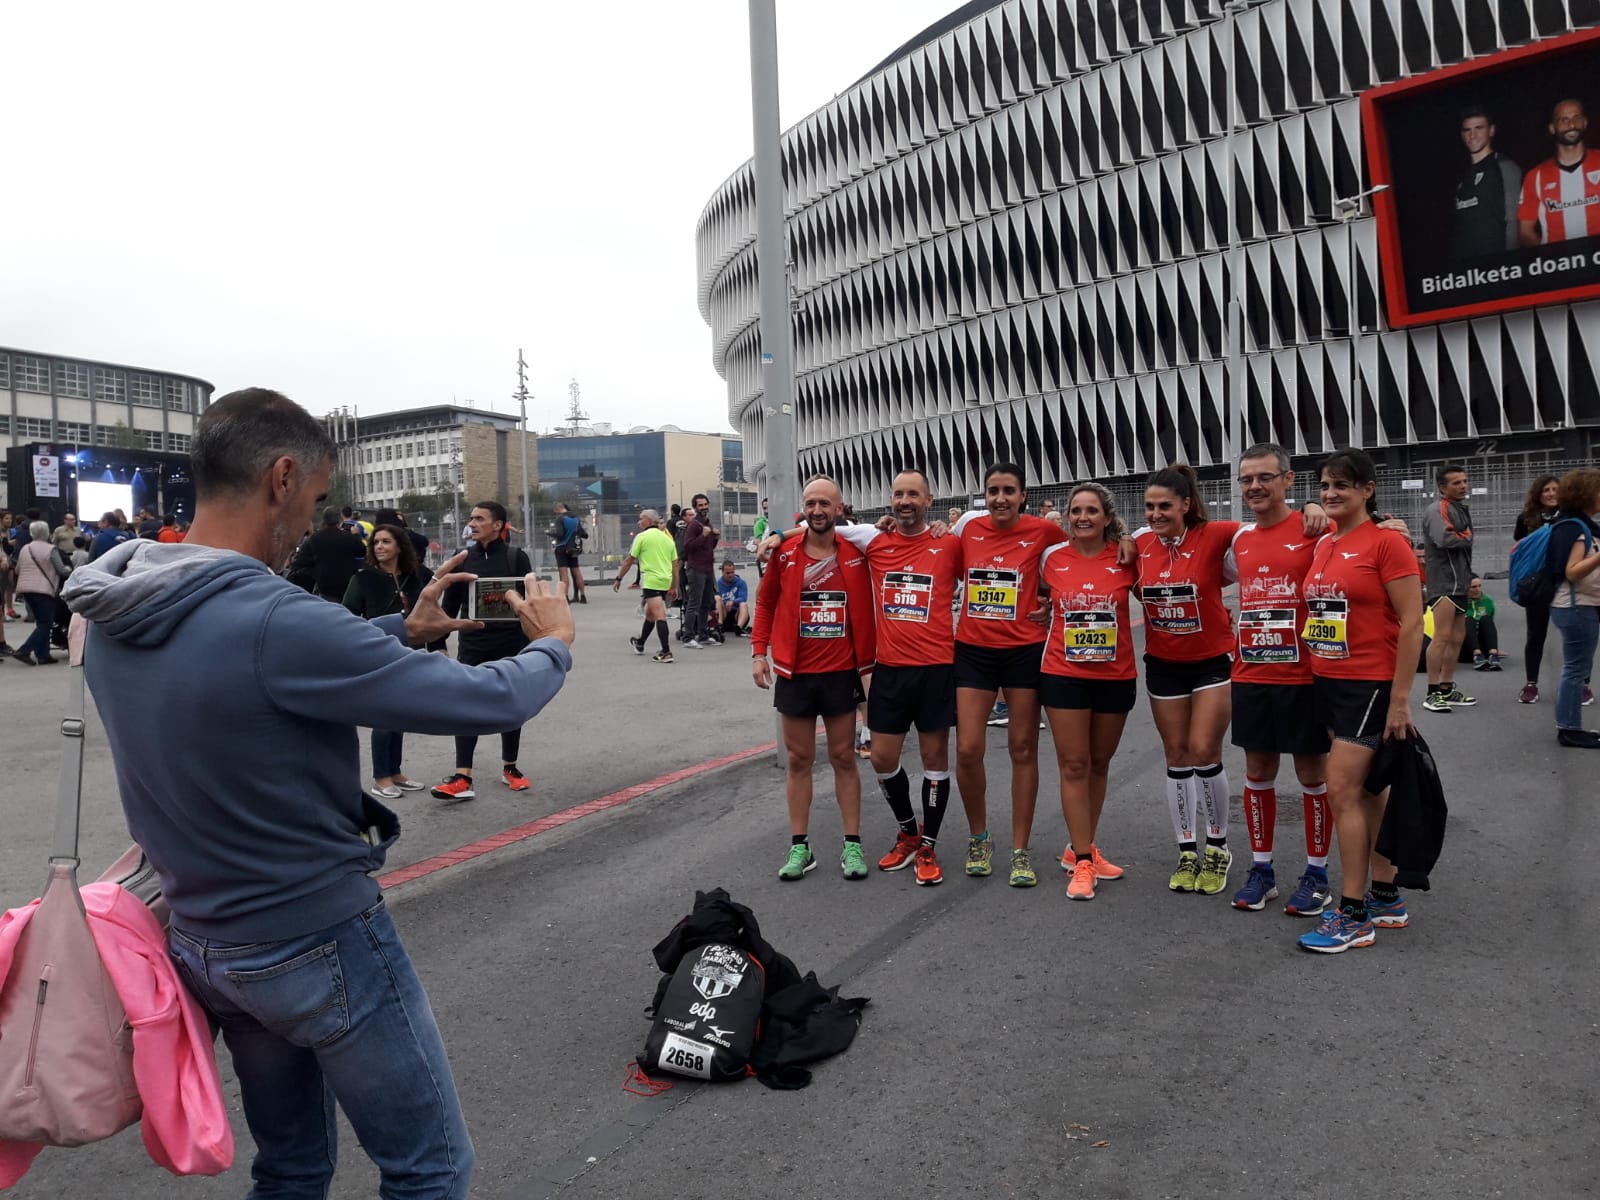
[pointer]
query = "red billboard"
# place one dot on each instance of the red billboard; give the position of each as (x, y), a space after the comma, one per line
(1493, 174)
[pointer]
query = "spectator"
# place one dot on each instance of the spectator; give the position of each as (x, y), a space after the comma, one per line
(699, 557)
(566, 538)
(733, 602)
(66, 533)
(111, 534)
(148, 527)
(1575, 609)
(1481, 647)
(80, 551)
(391, 516)
(39, 576)
(330, 556)
(390, 582)
(1538, 509)
(169, 530)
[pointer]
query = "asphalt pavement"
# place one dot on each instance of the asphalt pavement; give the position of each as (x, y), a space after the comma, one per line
(1144, 1045)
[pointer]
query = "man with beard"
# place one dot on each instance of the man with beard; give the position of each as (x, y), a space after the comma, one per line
(814, 613)
(1561, 196)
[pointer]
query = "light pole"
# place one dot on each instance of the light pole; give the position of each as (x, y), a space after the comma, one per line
(1233, 417)
(522, 400)
(1346, 210)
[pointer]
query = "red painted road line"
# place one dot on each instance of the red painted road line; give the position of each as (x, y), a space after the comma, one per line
(521, 833)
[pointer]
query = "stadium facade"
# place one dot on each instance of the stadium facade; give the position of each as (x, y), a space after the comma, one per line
(1013, 239)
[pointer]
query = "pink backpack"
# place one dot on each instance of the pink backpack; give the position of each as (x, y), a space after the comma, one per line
(66, 1048)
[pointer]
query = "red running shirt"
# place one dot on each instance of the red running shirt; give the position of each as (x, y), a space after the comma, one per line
(1352, 630)
(824, 620)
(1001, 586)
(1089, 637)
(1272, 565)
(913, 581)
(1566, 203)
(1180, 587)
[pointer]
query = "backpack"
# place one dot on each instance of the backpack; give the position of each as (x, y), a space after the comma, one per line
(708, 1015)
(579, 535)
(1533, 582)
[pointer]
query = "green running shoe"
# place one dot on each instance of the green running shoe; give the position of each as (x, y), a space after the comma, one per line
(801, 862)
(980, 854)
(851, 862)
(1187, 874)
(1022, 869)
(1214, 870)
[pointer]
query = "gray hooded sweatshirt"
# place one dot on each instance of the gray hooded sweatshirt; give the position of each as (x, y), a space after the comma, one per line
(231, 699)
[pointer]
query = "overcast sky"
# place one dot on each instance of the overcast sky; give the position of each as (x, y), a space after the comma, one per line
(376, 205)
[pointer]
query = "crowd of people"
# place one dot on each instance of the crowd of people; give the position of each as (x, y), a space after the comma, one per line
(934, 624)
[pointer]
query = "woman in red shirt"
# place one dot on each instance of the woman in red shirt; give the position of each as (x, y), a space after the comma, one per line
(1363, 631)
(997, 646)
(1088, 680)
(1189, 664)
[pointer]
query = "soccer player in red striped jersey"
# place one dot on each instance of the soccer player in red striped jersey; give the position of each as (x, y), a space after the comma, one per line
(1561, 196)
(914, 577)
(1274, 712)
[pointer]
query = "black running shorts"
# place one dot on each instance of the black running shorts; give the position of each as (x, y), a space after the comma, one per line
(1353, 710)
(987, 669)
(652, 593)
(1097, 695)
(566, 557)
(901, 697)
(1168, 680)
(1459, 601)
(1278, 718)
(828, 694)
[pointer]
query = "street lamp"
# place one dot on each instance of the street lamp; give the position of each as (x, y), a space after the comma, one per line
(1346, 210)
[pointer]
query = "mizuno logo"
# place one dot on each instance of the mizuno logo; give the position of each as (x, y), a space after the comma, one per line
(1293, 546)
(1024, 545)
(722, 1033)
(1347, 557)
(935, 549)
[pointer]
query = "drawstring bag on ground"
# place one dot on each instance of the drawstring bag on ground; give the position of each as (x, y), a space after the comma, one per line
(730, 1004)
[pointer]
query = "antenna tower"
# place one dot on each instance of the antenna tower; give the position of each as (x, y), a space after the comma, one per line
(575, 414)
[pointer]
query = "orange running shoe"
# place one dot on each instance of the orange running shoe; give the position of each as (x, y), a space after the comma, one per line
(515, 779)
(457, 787)
(1082, 885)
(905, 847)
(1104, 868)
(928, 871)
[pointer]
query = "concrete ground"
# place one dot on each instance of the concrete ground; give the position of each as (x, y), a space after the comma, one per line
(1145, 1045)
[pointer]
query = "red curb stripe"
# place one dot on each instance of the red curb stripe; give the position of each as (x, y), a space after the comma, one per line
(555, 820)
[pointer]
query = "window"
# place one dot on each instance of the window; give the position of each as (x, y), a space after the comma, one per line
(388, 481)
(388, 452)
(178, 442)
(433, 476)
(411, 478)
(104, 435)
(151, 439)
(72, 379)
(178, 396)
(433, 447)
(145, 390)
(32, 429)
(5, 425)
(5, 370)
(72, 431)
(110, 386)
(30, 374)
(406, 453)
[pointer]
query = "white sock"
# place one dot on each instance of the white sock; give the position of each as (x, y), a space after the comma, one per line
(1211, 782)
(1181, 804)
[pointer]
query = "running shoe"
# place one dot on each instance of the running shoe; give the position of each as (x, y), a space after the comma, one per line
(1337, 932)
(1104, 868)
(1459, 699)
(1188, 872)
(637, 644)
(1578, 739)
(1000, 714)
(905, 848)
(1311, 895)
(800, 862)
(1387, 914)
(12, 615)
(663, 656)
(1493, 664)
(515, 779)
(1482, 664)
(1260, 886)
(1022, 868)
(980, 854)
(1588, 696)
(457, 787)
(852, 862)
(863, 742)
(928, 872)
(1529, 694)
(1214, 870)
(1081, 885)
(692, 644)
(1438, 702)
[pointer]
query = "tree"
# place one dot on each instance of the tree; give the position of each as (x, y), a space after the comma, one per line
(340, 491)
(123, 438)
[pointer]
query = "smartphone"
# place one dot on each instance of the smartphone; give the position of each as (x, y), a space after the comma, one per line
(486, 598)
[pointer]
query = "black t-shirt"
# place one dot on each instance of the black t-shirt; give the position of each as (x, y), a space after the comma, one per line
(1485, 208)
(1523, 528)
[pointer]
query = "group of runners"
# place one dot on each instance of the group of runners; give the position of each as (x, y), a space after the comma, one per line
(932, 624)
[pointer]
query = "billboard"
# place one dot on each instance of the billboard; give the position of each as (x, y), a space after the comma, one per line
(1493, 174)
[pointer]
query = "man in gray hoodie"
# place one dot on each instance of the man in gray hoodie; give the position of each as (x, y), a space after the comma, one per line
(1447, 570)
(264, 841)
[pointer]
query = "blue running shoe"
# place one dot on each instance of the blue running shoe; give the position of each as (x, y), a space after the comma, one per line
(1000, 714)
(1312, 896)
(1260, 886)
(1387, 914)
(1337, 932)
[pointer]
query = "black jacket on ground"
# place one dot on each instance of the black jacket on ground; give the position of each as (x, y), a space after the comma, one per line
(498, 639)
(801, 1021)
(1412, 834)
(329, 557)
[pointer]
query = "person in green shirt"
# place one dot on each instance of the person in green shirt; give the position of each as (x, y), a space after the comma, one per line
(759, 534)
(657, 555)
(1483, 639)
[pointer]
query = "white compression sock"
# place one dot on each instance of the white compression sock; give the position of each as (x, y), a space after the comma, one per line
(1181, 804)
(1211, 782)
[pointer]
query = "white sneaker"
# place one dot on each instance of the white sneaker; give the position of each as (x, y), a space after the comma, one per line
(692, 644)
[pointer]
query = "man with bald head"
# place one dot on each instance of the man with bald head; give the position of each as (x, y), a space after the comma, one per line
(814, 613)
(1561, 196)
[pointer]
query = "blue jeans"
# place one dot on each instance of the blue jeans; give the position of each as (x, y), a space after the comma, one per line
(337, 1015)
(386, 752)
(1580, 632)
(43, 611)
